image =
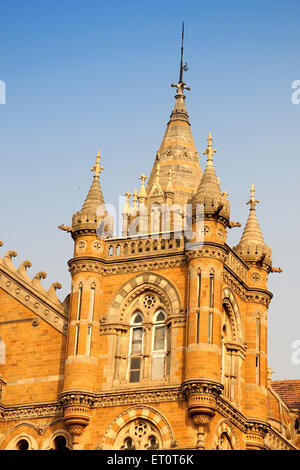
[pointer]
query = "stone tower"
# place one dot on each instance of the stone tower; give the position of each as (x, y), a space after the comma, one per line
(162, 341)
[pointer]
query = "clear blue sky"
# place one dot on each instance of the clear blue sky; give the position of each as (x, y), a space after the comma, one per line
(83, 75)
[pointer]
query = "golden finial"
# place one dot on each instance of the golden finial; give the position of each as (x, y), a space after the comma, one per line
(225, 194)
(97, 168)
(219, 182)
(252, 201)
(209, 150)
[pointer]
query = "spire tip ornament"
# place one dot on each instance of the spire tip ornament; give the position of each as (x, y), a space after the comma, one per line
(209, 150)
(181, 86)
(97, 168)
(252, 201)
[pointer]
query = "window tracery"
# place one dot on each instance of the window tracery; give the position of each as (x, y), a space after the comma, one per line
(143, 349)
(139, 434)
(224, 442)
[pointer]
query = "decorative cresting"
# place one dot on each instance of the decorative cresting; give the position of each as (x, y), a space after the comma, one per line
(256, 432)
(146, 281)
(225, 430)
(139, 424)
(77, 408)
(252, 247)
(201, 396)
(215, 204)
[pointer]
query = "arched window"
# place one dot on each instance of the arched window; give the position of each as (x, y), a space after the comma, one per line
(60, 443)
(224, 442)
(228, 357)
(159, 346)
(22, 444)
(136, 347)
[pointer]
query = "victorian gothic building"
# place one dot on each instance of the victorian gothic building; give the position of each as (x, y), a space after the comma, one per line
(162, 341)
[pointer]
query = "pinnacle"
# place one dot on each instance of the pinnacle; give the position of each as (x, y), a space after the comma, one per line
(209, 185)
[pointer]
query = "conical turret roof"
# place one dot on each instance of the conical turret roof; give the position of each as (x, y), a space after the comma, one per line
(178, 153)
(209, 193)
(252, 245)
(89, 215)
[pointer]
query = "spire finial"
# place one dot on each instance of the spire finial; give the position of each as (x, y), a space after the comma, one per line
(126, 207)
(181, 86)
(143, 178)
(209, 150)
(252, 201)
(142, 193)
(97, 168)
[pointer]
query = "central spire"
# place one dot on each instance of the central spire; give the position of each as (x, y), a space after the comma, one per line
(178, 151)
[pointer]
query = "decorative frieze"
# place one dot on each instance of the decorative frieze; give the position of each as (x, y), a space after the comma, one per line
(21, 412)
(78, 266)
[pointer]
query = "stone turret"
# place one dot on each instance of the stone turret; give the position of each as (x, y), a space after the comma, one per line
(252, 247)
(88, 218)
(215, 204)
(85, 302)
(258, 256)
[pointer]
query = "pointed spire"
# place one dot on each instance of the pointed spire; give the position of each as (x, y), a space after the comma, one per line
(142, 196)
(156, 188)
(252, 232)
(209, 185)
(95, 196)
(178, 151)
(209, 192)
(126, 209)
(87, 216)
(252, 246)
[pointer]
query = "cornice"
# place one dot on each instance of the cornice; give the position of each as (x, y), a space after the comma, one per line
(248, 294)
(143, 397)
(30, 411)
(95, 265)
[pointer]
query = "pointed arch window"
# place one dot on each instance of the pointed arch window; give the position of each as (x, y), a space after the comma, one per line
(136, 348)
(159, 346)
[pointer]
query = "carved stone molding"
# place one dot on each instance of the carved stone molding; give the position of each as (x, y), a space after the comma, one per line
(248, 295)
(255, 434)
(77, 266)
(35, 301)
(208, 251)
(21, 412)
(274, 441)
(202, 396)
(135, 397)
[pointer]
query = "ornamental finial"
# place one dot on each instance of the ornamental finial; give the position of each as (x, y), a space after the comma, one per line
(97, 168)
(183, 68)
(209, 150)
(252, 201)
